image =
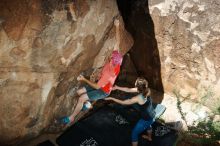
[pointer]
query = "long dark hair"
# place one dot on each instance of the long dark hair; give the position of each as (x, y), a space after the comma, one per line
(142, 85)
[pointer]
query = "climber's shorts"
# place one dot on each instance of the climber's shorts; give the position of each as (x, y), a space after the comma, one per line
(95, 94)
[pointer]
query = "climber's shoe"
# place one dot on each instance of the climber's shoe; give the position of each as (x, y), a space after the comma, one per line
(63, 121)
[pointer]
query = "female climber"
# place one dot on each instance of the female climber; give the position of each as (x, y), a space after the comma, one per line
(144, 101)
(95, 91)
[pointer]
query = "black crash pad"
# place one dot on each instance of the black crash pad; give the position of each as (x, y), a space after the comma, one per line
(112, 126)
(103, 128)
(46, 143)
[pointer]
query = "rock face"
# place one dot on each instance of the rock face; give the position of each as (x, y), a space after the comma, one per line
(45, 45)
(176, 47)
(188, 37)
(176, 43)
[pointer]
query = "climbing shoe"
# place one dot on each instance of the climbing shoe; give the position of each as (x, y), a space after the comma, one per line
(63, 121)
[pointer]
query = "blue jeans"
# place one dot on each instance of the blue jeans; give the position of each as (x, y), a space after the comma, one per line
(140, 127)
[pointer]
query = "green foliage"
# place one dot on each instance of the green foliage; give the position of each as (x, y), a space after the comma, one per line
(178, 104)
(208, 94)
(216, 107)
(205, 131)
(208, 99)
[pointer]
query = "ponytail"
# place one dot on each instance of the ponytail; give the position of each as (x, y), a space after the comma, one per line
(147, 93)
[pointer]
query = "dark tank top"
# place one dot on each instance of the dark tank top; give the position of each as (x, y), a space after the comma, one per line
(147, 109)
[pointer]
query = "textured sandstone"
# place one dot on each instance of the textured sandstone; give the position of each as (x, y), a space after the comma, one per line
(188, 37)
(36, 37)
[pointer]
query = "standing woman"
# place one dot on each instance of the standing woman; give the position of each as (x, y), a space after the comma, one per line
(144, 101)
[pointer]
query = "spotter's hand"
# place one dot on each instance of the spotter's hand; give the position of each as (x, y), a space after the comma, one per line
(108, 98)
(115, 87)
